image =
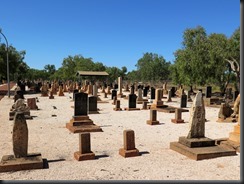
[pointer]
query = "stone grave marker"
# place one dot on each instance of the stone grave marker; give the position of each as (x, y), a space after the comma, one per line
(31, 102)
(114, 93)
(153, 118)
(169, 96)
(131, 103)
(208, 92)
(195, 145)
(117, 106)
(139, 99)
(84, 152)
(129, 149)
(152, 93)
(183, 101)
(21, 160)
(92, 106)
(178, 115)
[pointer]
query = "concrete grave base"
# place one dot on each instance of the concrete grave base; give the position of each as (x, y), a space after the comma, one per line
(131, 109)
(196, 142)
(82, 124)
(86, 156)
(231, 144)
(201, 153)
(10, 163)
(177, 121)
(150, 122)
(129, 153)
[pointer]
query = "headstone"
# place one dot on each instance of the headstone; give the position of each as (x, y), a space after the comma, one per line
(158, 103)
(114, 93)
(169, 96)
(114, 100)
(92, 104)
(177, 117)
(189, 96)
(116, 86)
(129, 149)
(172, 92)
(139, 99)
(152, 93)
(144, 105)
(51, 95)
(195, 145)
(60, 91)
(132, 100)
(225, 112)
(117, 106)
(19, 95)
(80, 106)
(208, 91)
(84, 152)
(74, 92)
(145, 90)
(132, 89)
(94, 90)
(183, 101)
(153, 118)
(31, 102)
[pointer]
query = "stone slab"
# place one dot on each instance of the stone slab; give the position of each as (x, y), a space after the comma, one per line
(231, 144)
(86, 156)
(129, 153)
(196, 142)
(83, 128)
(10, 163)
(150, 122)
(202, 153)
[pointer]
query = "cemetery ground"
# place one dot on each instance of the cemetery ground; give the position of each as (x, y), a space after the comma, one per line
(48, 136)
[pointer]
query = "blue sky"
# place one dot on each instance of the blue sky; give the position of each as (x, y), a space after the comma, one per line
(114, 32)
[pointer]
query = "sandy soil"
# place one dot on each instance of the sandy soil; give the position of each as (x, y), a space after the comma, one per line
(49, 136)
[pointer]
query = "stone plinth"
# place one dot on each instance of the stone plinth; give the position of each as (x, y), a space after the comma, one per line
(84, 152)
(31, 161)
(177, 117)
(144, 106)
(80, 124)
(129, 149)
(153, 118)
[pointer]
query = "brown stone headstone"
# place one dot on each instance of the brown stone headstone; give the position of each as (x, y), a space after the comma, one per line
(177, 119)
(153, 118)
(129, 149)
(84, 152)
(31, 102)
(117, 106)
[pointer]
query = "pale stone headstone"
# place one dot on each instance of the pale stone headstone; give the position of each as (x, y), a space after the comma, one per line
(197, 118)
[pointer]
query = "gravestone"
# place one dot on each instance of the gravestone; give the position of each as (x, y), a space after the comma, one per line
(129, 149)
(21, 160)
(158, 103)
(173, 92)
(208, 92)
(225, 112)
(114, 100)
(144, 105)
(44, 90)
(114, 93)
(153, 118)
(132, 102)
(132, 89)
(94, 90)
(152, 93)
(92, 106)
(139, 99)
(19, 95)
(177, 117)
(51, 95)
(20, 106)
(80, 122)
(74, 92)
(117, 106)
(169, 96)
(120, 83)
(31, 102)
(60, 91)
(183, 101)
(145, 90)
(84, 152)
(189, 96)
(195, 145)
(116, 86)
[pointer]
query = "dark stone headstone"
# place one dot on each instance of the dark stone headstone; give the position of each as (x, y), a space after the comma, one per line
(145, 92)
(183, 101)
(132, 89)
(172, 92)
(19, 94)
(114, 93)
(152, 93)
(132, 100)
(116, 86)
(80, 106)
(92, 103)
(139, 87)
(208, 91)
(22, 87)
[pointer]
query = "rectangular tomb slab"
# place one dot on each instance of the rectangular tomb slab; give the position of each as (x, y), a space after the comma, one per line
(201, 153)
(10, 163)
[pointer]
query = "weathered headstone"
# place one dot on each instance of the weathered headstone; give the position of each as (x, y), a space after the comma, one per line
(80, 106)
(117, 106)
(19, 95)
(169, 96)
(153, 118)
(114, 93)
(84, 152)
(195, 145)
(129, 149)
(139, 99)
(20, 106)
(21, 160)
(172, 92)
(145, 90)
(132, 102)
(144, 105)
(189, 96)
(158, 103)
(60, 91)
(225, 112)
(92, 106)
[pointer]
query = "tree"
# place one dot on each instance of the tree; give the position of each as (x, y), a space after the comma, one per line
(152, 67)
